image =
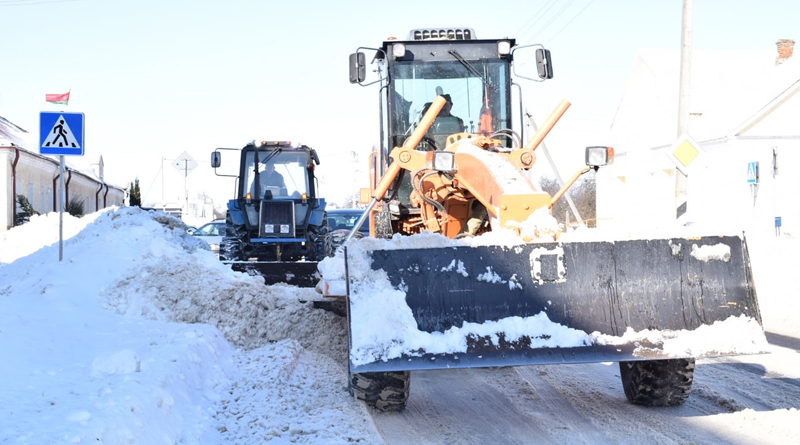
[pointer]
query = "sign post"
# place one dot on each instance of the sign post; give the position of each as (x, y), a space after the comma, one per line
(61, 134)
(185, 163)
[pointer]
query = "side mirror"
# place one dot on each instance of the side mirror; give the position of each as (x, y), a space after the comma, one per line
(544, 65)
(358, 68)
(314, 156)
(216, 159)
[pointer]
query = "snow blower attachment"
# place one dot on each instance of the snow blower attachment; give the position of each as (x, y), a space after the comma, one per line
(487, 279)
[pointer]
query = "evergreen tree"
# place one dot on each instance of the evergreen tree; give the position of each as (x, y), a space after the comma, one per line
(136, 194)
(24, 211)
(75, 207)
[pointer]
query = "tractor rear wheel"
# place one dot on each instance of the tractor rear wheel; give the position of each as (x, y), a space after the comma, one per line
(657, 382)
(385, 391)
(317, 236)
(231, 245)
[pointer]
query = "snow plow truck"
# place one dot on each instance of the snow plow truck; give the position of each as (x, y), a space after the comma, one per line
(276, 224)
(464, 269)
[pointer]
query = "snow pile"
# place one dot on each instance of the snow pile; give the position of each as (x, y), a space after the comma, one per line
(287, 394)
(118, 343)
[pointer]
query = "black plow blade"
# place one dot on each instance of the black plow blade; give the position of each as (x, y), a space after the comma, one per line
(568, 302)
(300, 274)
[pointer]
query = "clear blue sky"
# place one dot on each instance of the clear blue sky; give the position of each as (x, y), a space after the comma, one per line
(156, 78)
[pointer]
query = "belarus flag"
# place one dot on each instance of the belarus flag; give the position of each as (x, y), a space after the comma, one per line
(58, 98)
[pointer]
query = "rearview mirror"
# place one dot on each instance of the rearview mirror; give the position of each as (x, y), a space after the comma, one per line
(216, 159)
(544, 65)
(358, 67)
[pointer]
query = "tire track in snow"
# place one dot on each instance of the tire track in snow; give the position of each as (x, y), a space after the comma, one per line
(461, 406)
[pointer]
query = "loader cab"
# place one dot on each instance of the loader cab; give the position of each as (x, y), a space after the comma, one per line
(472, 75)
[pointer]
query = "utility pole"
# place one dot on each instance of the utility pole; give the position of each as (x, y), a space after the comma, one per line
(681, 179)
(163, 201)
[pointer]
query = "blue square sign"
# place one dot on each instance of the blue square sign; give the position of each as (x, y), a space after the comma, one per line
(61, 133)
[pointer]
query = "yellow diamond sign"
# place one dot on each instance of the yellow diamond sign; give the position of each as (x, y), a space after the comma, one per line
(683, 152)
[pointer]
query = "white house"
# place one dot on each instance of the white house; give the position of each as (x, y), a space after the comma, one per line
(744, 111)
(23, 171)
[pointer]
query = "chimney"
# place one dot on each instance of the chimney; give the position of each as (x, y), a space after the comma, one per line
(785, 49)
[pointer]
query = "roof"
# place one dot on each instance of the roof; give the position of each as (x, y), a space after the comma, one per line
(10, 132)
(732, 93)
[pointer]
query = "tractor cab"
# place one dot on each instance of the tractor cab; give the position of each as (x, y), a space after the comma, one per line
(276, 214)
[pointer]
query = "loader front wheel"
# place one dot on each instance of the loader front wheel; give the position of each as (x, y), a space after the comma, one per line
(386, 391)
(657, 382)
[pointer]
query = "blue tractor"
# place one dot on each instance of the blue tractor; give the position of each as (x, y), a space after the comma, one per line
(276, 225)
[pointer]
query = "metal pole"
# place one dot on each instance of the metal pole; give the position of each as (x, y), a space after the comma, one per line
(543, 147)
(163, 202)
(185, 191)
(682, 180)
(60, 208)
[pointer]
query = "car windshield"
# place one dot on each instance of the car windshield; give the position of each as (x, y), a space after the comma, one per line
(210, 229)
(346, 219)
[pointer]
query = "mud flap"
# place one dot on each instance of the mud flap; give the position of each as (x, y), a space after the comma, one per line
(632, 299)
(300, 274)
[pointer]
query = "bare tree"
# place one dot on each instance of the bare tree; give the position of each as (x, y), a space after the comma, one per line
(583, 194)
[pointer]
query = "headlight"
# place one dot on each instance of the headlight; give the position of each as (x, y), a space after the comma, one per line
(599, 156)
(398, 50)
(269, 228)
(504, 47)
(285, 228)
(443, 161)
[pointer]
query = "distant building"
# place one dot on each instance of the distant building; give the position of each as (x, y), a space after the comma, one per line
(23, 171)
(744, 108)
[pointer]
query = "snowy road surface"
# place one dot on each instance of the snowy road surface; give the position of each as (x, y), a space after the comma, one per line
(740, 400)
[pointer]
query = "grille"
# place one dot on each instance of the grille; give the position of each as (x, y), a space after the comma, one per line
(276, 219)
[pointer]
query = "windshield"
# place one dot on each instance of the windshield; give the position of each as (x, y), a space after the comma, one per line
(475, 90)
(282, 175)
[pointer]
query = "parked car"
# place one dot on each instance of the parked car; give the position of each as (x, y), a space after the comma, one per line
(345, 219)
(212, 234)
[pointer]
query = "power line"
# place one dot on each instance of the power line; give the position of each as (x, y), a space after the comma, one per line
(33, 2)
(536, 17)
(541, 13)
(552, 19)
(571, 20)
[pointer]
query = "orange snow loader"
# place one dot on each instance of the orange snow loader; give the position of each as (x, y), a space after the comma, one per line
(450, 164)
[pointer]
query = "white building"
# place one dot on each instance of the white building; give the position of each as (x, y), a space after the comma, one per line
(23, 171)
(744, 109)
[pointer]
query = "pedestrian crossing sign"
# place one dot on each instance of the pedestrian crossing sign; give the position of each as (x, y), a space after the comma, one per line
(752, 172)
(61, 133)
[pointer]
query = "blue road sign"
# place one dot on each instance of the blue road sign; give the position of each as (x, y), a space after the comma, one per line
(752, 172)
(61, 133)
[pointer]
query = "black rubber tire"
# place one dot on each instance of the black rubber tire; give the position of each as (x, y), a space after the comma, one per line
(385, 391)
(230, 246)
(657, 382)
(336, 238)
(317, 238)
